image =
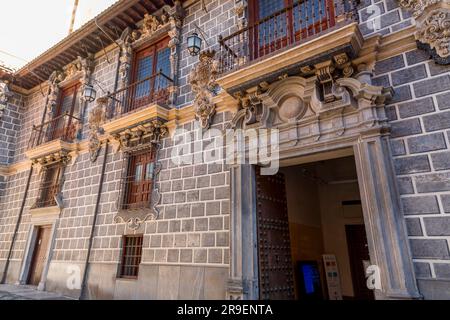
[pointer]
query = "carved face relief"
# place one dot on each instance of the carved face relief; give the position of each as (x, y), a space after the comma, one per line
(291, 108)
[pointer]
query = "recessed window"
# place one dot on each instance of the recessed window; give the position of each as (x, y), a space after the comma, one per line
(139, 181)
(131, 256)
(49, 187)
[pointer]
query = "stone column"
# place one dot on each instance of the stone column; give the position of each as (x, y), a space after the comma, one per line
(243, 281)
(384, 221)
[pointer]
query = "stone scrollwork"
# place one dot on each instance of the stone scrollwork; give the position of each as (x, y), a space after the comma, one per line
(5, 95)
(202, 79)
(433, 26)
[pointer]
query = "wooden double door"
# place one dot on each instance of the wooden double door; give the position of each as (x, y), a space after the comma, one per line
(39, 254)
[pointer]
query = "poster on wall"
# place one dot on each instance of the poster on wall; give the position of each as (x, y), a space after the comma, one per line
(332, 277)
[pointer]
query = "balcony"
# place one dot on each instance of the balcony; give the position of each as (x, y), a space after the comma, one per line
(138, 103)
(302, 35)
(53, 139)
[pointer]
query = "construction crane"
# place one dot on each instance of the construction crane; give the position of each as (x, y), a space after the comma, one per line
(74, 14)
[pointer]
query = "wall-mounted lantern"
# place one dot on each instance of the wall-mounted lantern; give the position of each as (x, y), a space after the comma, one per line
(89, 93)
(194, 44)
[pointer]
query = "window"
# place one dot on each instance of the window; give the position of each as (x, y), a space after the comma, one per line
(149, 85)
(63, 124)
(279, 23)
(139, 181)
(49, 187)
(131, 256)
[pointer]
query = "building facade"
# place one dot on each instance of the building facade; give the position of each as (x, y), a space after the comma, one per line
(151, 189)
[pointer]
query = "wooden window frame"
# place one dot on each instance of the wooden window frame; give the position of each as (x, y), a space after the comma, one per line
(125, 254)
(292, 35)
(128, 184)
(54, 185)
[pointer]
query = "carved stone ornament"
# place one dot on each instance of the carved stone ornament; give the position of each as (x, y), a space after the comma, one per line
(141, 136)
(96, 118)
(295, 104)
(5, 95)
(433, 26)
(202, 79)
(62, 156)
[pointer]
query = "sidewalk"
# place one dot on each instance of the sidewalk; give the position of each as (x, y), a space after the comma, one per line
(12, 292)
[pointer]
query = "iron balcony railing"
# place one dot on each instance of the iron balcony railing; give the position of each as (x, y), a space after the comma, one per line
(136, 192)
(63, 127)
(154, 89)
(47, 193)
(293, 25)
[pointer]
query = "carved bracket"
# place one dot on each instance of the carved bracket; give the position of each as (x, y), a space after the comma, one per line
(433, 26)
(141, 136)
(202, 79)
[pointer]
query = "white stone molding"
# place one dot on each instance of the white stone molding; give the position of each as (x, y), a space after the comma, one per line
(354, 119)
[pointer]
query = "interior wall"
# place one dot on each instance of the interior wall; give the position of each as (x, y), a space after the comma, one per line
(317, 217)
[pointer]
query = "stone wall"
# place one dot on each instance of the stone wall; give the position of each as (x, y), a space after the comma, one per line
(420, 122)
(191, 236)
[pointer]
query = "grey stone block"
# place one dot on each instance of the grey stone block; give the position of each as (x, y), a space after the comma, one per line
(422, 269)
(187, 225)
(436, 182)
(398, 147)
(405, 128)
(401, 94)
(442, 270)
(412, 164)
(391, 4)
(425, 143)
(214, 255)
(409, 75)
(443, 101)
(416, 107)
(391, 114)
(446, 202)
(437, 121)
(405, 185)
(436, 69)
(208, 240)
(441, 160)
(437, 226)
(431, 86)
(198, 210)
(420, 205)
(390, 18)
(382, 81)
(416, 56)
(390, 64)
(429, 249)
(414, 227)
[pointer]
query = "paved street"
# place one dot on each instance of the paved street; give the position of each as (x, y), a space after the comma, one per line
(12, 292)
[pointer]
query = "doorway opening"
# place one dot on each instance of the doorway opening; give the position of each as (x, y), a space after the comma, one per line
(312, 242)
(43, 234)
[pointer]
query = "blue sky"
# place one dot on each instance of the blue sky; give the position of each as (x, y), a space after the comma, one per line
(30, 27)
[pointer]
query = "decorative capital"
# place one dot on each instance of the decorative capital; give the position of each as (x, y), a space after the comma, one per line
(433, 26)
(202, 79)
